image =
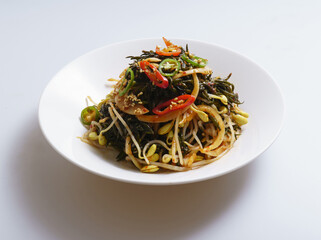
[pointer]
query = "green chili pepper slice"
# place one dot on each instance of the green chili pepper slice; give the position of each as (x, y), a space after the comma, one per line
(195, 61)
(130, 83)
(89, 114)
(169, 64)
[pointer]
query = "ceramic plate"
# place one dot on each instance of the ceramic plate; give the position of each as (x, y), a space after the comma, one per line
(64, 98)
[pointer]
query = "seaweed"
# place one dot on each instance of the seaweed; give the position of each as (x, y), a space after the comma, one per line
(151, 95)
(144, 55)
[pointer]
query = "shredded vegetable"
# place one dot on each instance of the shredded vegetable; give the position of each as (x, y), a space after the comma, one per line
(167, 112)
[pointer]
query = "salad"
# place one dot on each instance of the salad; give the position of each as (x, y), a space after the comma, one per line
(167, 111)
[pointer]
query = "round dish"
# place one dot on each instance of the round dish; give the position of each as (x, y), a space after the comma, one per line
(86, 76)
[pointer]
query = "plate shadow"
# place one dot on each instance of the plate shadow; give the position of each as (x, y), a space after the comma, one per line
(70, 203)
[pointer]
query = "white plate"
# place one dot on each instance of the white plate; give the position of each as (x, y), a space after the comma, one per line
(64, 98)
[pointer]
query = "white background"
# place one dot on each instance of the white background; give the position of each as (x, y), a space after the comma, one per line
(43, 196)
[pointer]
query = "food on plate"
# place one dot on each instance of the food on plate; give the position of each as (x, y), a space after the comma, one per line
(167, 111)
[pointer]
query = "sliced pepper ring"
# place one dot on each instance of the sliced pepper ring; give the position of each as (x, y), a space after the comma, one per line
(89, 114)
(174, 104)
(153, 74)
(130, 83)
(171, 50)
(169, 61)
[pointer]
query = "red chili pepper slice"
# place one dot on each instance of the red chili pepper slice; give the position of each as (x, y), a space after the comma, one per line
(171, 50)
(153, 74)
(174, 104)
(168, 43)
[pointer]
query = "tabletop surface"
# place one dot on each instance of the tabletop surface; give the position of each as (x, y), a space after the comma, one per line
(43, 196)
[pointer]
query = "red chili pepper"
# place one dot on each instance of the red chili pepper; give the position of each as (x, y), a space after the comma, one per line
(174, 104)
(171, 50)
(153, 74)
(167, 42)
